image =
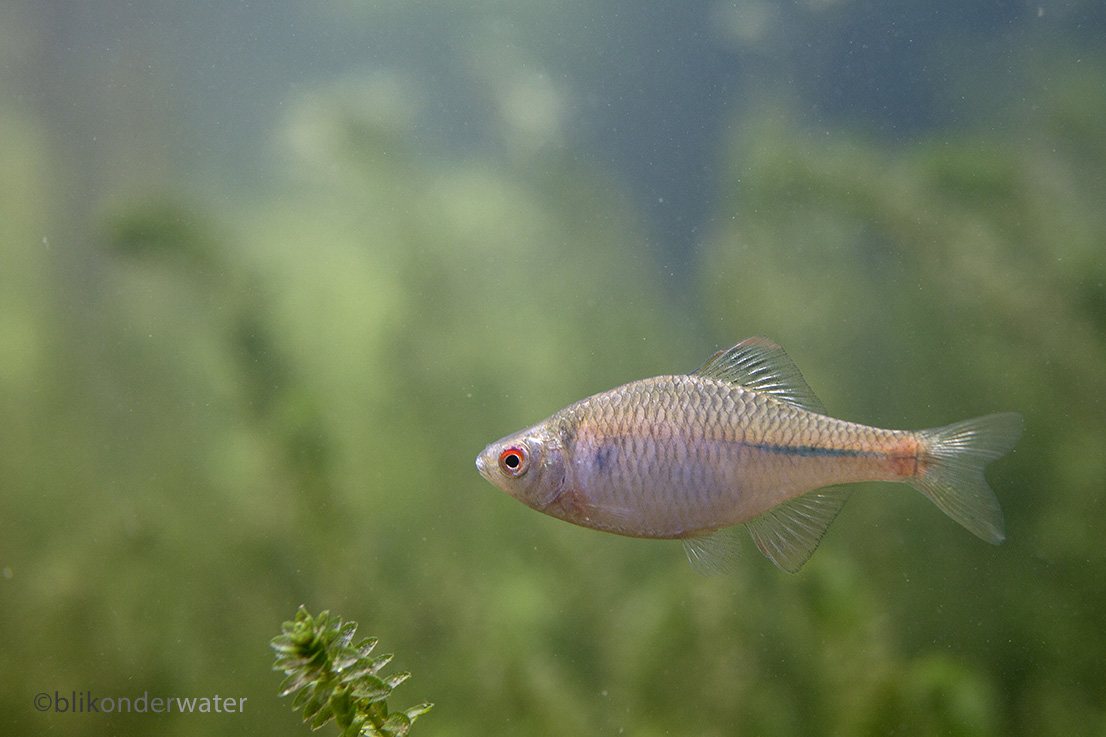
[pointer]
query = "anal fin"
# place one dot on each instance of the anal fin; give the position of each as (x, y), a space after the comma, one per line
(789, 533)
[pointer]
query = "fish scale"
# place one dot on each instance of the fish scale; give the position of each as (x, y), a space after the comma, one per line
(741, 441)
(696, 454)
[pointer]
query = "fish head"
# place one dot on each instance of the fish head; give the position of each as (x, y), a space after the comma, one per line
(528, 465)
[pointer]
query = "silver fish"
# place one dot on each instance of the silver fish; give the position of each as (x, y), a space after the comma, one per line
(741, 441)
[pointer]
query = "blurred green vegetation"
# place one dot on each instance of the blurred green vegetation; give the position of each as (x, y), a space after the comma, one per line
(215, 412)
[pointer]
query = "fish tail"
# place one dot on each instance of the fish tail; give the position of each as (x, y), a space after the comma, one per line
(950, 470)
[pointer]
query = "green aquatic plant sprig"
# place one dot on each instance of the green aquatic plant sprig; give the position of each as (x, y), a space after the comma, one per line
(337, 680)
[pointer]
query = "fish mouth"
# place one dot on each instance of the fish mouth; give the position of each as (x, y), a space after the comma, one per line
(482, 464)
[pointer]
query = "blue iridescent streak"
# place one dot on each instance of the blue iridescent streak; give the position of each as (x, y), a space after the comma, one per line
(813, 451)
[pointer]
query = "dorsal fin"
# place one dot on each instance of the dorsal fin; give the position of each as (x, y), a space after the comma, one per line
(760, 365)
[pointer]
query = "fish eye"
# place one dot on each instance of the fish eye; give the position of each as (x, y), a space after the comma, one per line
(513, 460)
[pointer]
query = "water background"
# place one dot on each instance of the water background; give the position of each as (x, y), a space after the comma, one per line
(272, 274)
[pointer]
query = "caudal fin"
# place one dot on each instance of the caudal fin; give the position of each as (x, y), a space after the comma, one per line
(951, 470)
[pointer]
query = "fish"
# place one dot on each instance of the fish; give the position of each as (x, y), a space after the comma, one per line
(741, 441)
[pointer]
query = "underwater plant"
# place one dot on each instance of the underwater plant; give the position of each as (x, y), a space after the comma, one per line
(337, 680)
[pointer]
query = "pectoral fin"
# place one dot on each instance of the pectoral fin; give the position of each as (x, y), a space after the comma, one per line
(789, 533)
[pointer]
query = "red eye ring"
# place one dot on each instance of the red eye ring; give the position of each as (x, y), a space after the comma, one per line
(513, 460)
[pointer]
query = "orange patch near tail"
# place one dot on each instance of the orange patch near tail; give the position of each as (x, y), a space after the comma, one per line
(904, 458)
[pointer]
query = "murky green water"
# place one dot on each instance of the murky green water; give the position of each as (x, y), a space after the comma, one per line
(271, 275)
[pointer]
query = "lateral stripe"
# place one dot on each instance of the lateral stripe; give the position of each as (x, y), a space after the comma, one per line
(813, 451)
